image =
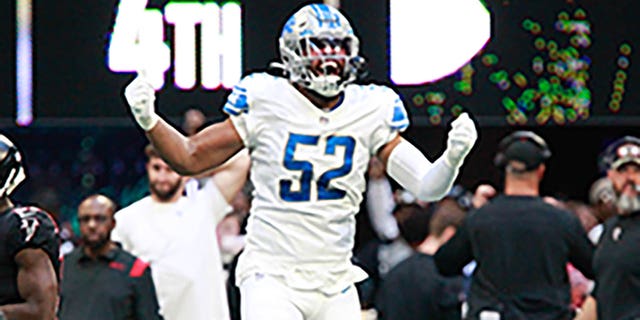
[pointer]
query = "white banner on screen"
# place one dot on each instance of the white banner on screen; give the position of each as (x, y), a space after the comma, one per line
(430, 39)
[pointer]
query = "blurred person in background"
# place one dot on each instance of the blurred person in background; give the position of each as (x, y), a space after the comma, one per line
(483, 194)
(193, 119)
(586, 213)
(617, 259)
(176, 235)
(378, 255)
(386, 209)
(414, 289)
(49, 199)
(100, 280)
(231, 240)
(29, 248)
(581, 286)
(521, 243)
(602, 199)
(231, 232)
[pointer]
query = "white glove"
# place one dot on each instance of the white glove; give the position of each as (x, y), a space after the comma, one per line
(141, 97)
(462, 137)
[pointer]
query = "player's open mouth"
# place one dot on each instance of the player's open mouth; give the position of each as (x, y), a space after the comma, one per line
(330, 68)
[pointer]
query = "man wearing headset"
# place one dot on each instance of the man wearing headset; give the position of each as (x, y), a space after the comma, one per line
(521, 244)
(615, 262)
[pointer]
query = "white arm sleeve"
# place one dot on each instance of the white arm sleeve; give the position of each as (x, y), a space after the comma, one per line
(414, 172)
(380, 205)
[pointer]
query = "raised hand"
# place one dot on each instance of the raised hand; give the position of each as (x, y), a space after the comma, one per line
(141, 97)
(461, 139)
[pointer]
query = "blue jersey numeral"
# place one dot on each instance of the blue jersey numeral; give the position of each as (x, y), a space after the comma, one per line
(306, 167)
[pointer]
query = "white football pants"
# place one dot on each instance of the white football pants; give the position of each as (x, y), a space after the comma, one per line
(264, 297)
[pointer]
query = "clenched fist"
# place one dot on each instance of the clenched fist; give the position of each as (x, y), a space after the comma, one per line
(141, 97)
(462, 137)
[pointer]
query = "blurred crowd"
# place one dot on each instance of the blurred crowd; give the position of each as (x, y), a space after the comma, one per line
(405, 282)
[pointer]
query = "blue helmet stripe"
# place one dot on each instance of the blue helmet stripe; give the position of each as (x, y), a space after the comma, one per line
(317, 12)
(329, 16)
(336, 20)
(288, 27)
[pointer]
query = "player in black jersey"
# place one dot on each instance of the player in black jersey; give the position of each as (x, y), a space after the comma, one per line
(29, 246)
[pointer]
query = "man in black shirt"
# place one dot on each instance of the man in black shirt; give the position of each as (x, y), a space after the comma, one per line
(414, 289)
(100, 280)
(29, 245)
(521, 244)
(616, 262)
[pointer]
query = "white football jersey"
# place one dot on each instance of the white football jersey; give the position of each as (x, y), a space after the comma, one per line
(308, 169)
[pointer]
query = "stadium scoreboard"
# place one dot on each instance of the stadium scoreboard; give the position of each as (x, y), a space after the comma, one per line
(546, 62)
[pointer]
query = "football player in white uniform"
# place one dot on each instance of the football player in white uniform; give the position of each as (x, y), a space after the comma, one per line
(310, 135)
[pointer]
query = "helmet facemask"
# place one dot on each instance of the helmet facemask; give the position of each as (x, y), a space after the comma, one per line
(319, 50)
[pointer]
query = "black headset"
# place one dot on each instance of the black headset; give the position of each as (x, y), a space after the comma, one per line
(500, 159)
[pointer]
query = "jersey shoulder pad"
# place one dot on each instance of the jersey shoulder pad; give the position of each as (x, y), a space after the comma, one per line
(32, 228)
(245, 92)
(391, 105)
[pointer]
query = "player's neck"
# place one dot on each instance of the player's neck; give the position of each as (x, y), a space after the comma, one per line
(321, 102)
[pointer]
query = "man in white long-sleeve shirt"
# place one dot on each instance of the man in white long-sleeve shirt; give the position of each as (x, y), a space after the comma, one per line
(176, 235)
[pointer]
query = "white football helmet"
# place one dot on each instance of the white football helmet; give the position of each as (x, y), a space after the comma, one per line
(11, 168)
(319, 50)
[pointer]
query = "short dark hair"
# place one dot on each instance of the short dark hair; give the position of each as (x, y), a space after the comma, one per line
(413, 222)
(448, 213)
(111, 205)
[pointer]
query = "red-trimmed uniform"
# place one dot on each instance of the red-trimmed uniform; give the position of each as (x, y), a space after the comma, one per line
(24, 227)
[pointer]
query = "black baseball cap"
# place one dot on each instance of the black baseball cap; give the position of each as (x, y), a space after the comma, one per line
(526, 153)
(523, 151)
